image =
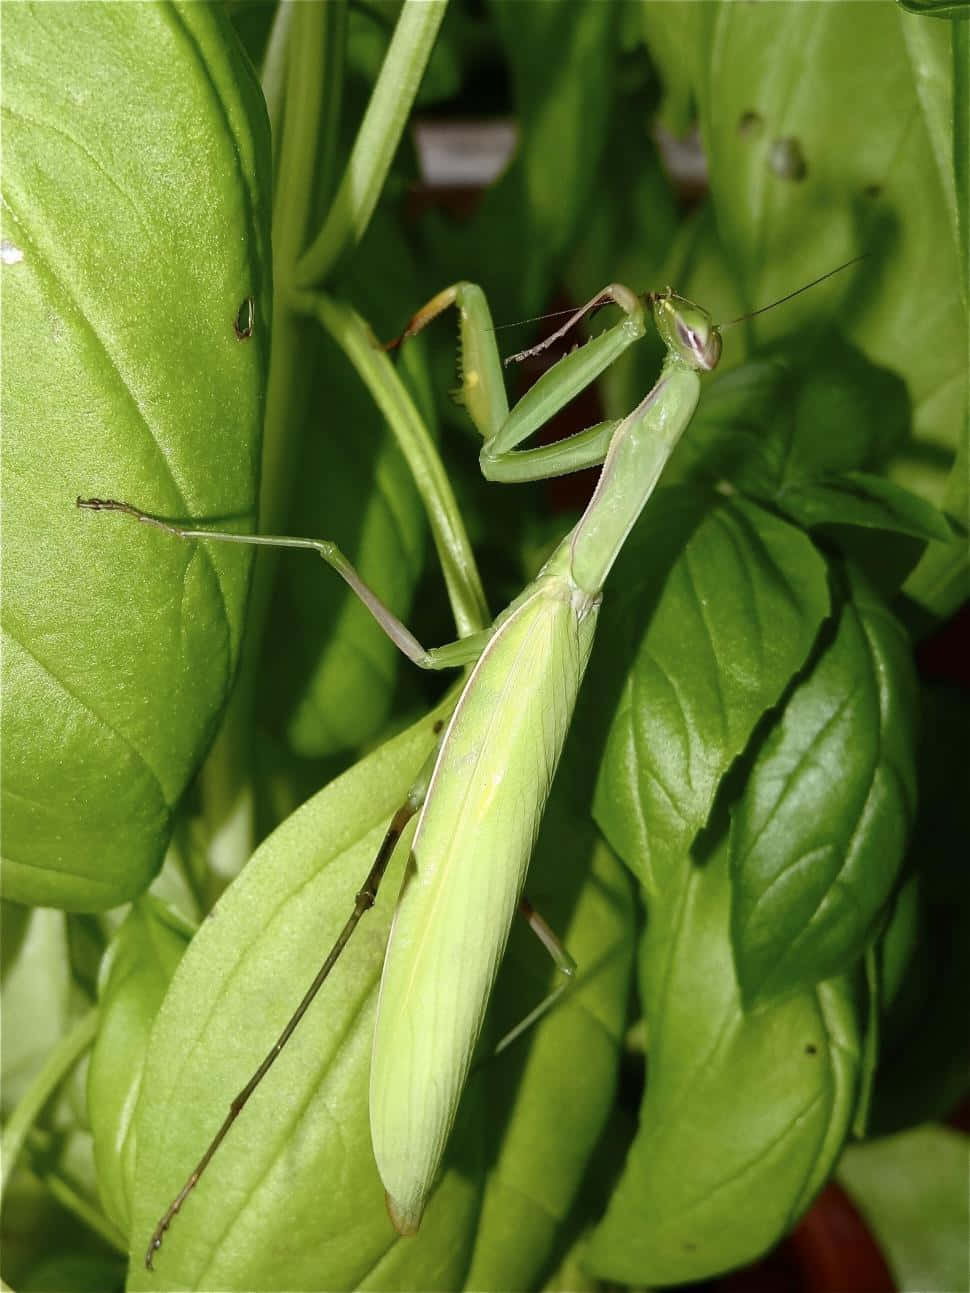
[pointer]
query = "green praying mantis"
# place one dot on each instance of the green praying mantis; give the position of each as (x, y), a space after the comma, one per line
(482, 794)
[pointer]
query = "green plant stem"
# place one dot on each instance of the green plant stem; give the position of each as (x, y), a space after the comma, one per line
(272, 74)
(54, 1070)
(377, 139)
(960, 38)
(313, 44)
(314, 29)
(376, 371)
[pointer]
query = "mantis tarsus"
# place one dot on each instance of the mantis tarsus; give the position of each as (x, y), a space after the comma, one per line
(482, 795)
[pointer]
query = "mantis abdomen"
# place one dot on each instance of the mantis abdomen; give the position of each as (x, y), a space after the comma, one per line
(476, 833)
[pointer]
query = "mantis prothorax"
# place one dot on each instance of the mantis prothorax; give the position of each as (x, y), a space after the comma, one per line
(482, 795)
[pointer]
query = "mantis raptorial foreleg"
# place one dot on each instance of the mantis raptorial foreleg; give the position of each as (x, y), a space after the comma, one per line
(483, 386)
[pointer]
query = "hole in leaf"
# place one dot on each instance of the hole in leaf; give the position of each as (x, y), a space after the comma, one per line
(787, 160)
(245, 320)
(750, 124)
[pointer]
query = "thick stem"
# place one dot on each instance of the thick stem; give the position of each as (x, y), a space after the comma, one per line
(447, 528)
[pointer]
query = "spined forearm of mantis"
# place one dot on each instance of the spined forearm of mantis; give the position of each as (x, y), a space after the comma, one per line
(481, 797)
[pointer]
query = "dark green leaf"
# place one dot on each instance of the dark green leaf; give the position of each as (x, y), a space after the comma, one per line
(124, 272)
(938, 8)
(801, 413)
(80, 1273)
(717, 606)
(819, 832)
(857, 498)
(744, 1113)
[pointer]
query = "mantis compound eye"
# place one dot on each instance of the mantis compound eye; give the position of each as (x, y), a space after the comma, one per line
(688, 331)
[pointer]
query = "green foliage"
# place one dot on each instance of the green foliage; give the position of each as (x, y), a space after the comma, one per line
(778, 867)
(808, 891)
(125, 271)
(745, 1112)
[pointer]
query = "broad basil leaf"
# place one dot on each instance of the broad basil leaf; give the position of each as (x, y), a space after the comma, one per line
(135, 237)
(819, 832)
(806, 410)
(744, 1113)
(869, 184)
(717, 622)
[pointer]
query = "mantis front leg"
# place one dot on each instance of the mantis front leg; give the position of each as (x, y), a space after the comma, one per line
(482, 388)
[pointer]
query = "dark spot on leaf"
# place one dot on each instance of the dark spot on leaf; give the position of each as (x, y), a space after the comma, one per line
(750, 125)
(811, 1049)
(245, 320)
(787, 160)
(690, 1246)
(873, 191)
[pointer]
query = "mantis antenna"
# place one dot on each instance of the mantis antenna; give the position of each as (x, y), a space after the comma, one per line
(797, 292)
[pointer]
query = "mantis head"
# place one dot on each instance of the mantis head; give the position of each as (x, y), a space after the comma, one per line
(688, 332)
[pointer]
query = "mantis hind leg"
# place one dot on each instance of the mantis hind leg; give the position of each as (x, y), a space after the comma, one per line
(563, 962)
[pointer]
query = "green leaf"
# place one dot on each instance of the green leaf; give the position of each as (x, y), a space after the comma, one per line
(79, 1272)
(744, 1113)
(808, 409)
(136, 972)
(713, 608)
(135, 228)
(872, 183)
(941, 581)
(858, 498)
(912, 1190)
(818, 834)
